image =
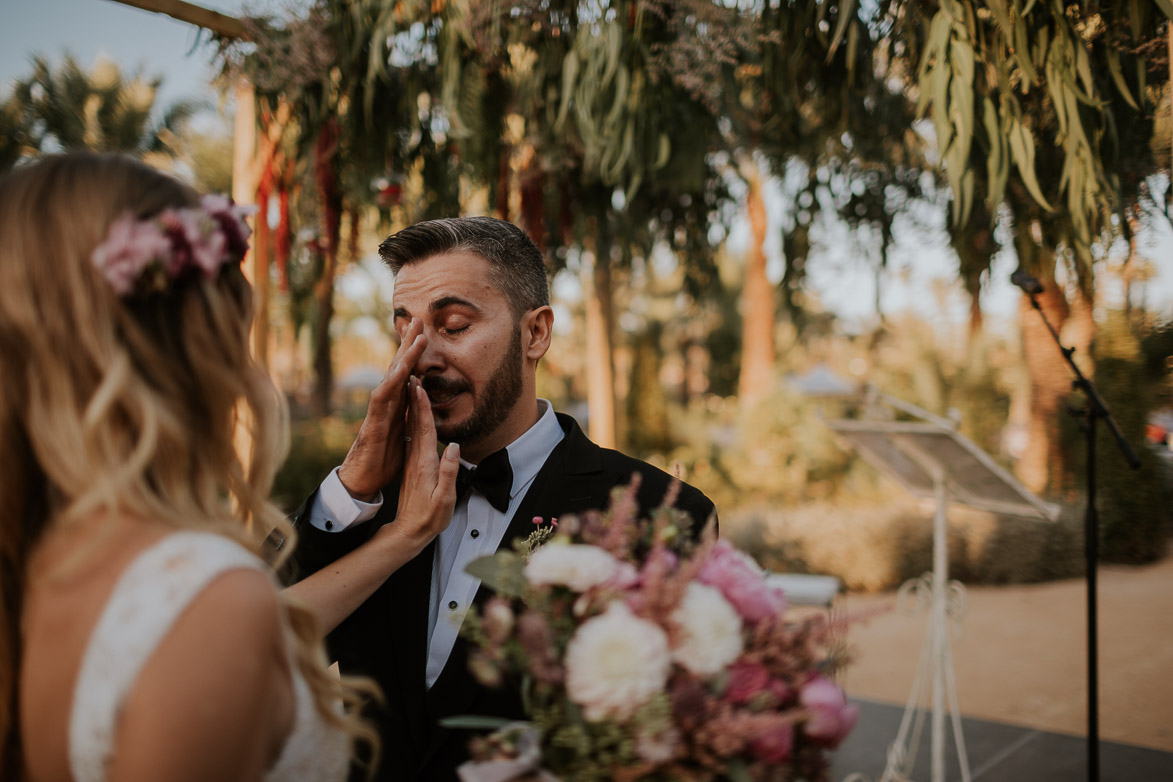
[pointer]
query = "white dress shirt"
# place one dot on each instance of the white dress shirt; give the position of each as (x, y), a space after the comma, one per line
(476, 530)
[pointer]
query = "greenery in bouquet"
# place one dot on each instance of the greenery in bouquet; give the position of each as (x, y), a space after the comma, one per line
(646, 652)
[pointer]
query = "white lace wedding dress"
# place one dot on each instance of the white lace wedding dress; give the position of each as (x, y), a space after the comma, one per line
(150, 595)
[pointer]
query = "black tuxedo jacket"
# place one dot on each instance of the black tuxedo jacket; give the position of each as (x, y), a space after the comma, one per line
(386, 638)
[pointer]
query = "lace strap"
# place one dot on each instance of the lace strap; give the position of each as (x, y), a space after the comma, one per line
(150, 595)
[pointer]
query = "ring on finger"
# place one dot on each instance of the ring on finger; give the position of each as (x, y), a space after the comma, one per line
(406, 439)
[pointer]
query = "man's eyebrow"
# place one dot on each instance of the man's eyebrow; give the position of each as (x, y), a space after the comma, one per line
(438, 305)
(452, 301)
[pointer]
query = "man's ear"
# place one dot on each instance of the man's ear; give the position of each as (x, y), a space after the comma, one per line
(536, 329)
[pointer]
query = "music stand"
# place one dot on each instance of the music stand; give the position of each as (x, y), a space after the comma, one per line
(931, 459)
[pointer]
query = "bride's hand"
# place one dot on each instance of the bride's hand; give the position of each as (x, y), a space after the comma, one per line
(427, 495)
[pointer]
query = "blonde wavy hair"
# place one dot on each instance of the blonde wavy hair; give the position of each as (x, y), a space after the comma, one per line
(128, 406)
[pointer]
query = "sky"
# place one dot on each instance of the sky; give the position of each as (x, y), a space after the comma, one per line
(920, 267)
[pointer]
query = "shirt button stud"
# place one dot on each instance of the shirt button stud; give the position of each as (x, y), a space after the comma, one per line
(451, 605)
(329, 525)
(476, 533)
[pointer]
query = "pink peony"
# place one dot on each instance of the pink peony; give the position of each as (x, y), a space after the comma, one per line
(774, 744)
(129, 248)
(742, 582)
(831, 716)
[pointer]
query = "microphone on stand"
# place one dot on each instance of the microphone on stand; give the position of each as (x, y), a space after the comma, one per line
(1030, 285)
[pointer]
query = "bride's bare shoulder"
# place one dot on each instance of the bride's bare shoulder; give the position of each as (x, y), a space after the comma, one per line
(215, 687)
(221, 666)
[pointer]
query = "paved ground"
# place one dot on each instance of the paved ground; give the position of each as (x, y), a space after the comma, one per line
(997, 752)
(1020, 661)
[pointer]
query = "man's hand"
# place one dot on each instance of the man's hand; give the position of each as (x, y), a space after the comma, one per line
(427, 495)
(376, 457)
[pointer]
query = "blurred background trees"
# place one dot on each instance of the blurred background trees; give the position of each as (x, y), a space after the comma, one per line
(633, 138)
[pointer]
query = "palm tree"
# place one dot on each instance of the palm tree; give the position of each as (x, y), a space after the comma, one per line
(101, 109)
(19, 134)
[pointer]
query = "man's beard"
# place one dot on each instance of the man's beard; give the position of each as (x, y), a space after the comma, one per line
(491, 407)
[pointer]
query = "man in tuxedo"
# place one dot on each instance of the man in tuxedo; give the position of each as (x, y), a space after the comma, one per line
(471, 305)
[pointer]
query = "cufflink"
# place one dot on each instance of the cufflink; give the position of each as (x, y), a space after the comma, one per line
(329, 525)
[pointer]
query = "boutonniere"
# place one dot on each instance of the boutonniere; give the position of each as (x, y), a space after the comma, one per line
(543, 529)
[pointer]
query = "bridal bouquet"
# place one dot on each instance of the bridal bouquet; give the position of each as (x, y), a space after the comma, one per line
(645, 653)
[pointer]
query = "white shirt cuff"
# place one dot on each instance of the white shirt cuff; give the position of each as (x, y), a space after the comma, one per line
(334, 509)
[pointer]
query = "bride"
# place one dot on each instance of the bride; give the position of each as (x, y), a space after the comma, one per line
(141, 635)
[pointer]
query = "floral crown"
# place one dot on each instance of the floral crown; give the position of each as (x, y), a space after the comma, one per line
(143, 256)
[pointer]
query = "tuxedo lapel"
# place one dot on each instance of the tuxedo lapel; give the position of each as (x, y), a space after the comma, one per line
(567, 482)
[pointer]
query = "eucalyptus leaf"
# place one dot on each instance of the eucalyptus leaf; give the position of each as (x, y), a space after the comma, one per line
(1113, 56)
(475, 722)
(503, 572)
(1022, 147)
(846, 14)
(736, 770)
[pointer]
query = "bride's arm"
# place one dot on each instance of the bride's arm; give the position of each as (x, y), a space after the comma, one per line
(426, 500)
(215, 699)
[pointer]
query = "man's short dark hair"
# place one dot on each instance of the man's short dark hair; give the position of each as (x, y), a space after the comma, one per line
(518, 269)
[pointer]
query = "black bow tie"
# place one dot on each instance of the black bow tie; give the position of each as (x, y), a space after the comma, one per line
(493, 478)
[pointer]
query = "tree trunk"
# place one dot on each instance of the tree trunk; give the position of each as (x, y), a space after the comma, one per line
(261, 261)
(331, 197)
(600, 363)
(757, 301)
(1042, 465)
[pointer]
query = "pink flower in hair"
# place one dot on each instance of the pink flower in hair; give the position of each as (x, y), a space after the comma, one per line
(206, 242)
(742, 583)
(144, 256)
(129, 249)
(231, 221)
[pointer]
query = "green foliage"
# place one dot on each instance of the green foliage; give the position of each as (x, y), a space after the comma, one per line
(879, 543)
(1135, 506)
(210, 157)
(316, 447)
(1047, 101)
(778, 452)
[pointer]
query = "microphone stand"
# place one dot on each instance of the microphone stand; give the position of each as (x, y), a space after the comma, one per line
(1096, 409)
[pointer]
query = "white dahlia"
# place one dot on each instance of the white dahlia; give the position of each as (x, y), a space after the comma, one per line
(577, 566)
(615, 663)
(709, 635)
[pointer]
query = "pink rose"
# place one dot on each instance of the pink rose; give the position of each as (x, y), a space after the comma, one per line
(746, 679)
(831, 717)
(742, 583)
(498, 620)
(774, 744)
(129, 248)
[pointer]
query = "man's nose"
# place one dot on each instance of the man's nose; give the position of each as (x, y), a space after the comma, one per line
(432, 360)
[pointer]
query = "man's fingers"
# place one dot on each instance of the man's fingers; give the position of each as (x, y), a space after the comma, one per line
(390, 390)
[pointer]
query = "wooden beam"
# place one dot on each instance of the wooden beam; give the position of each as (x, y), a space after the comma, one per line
(221, 24)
